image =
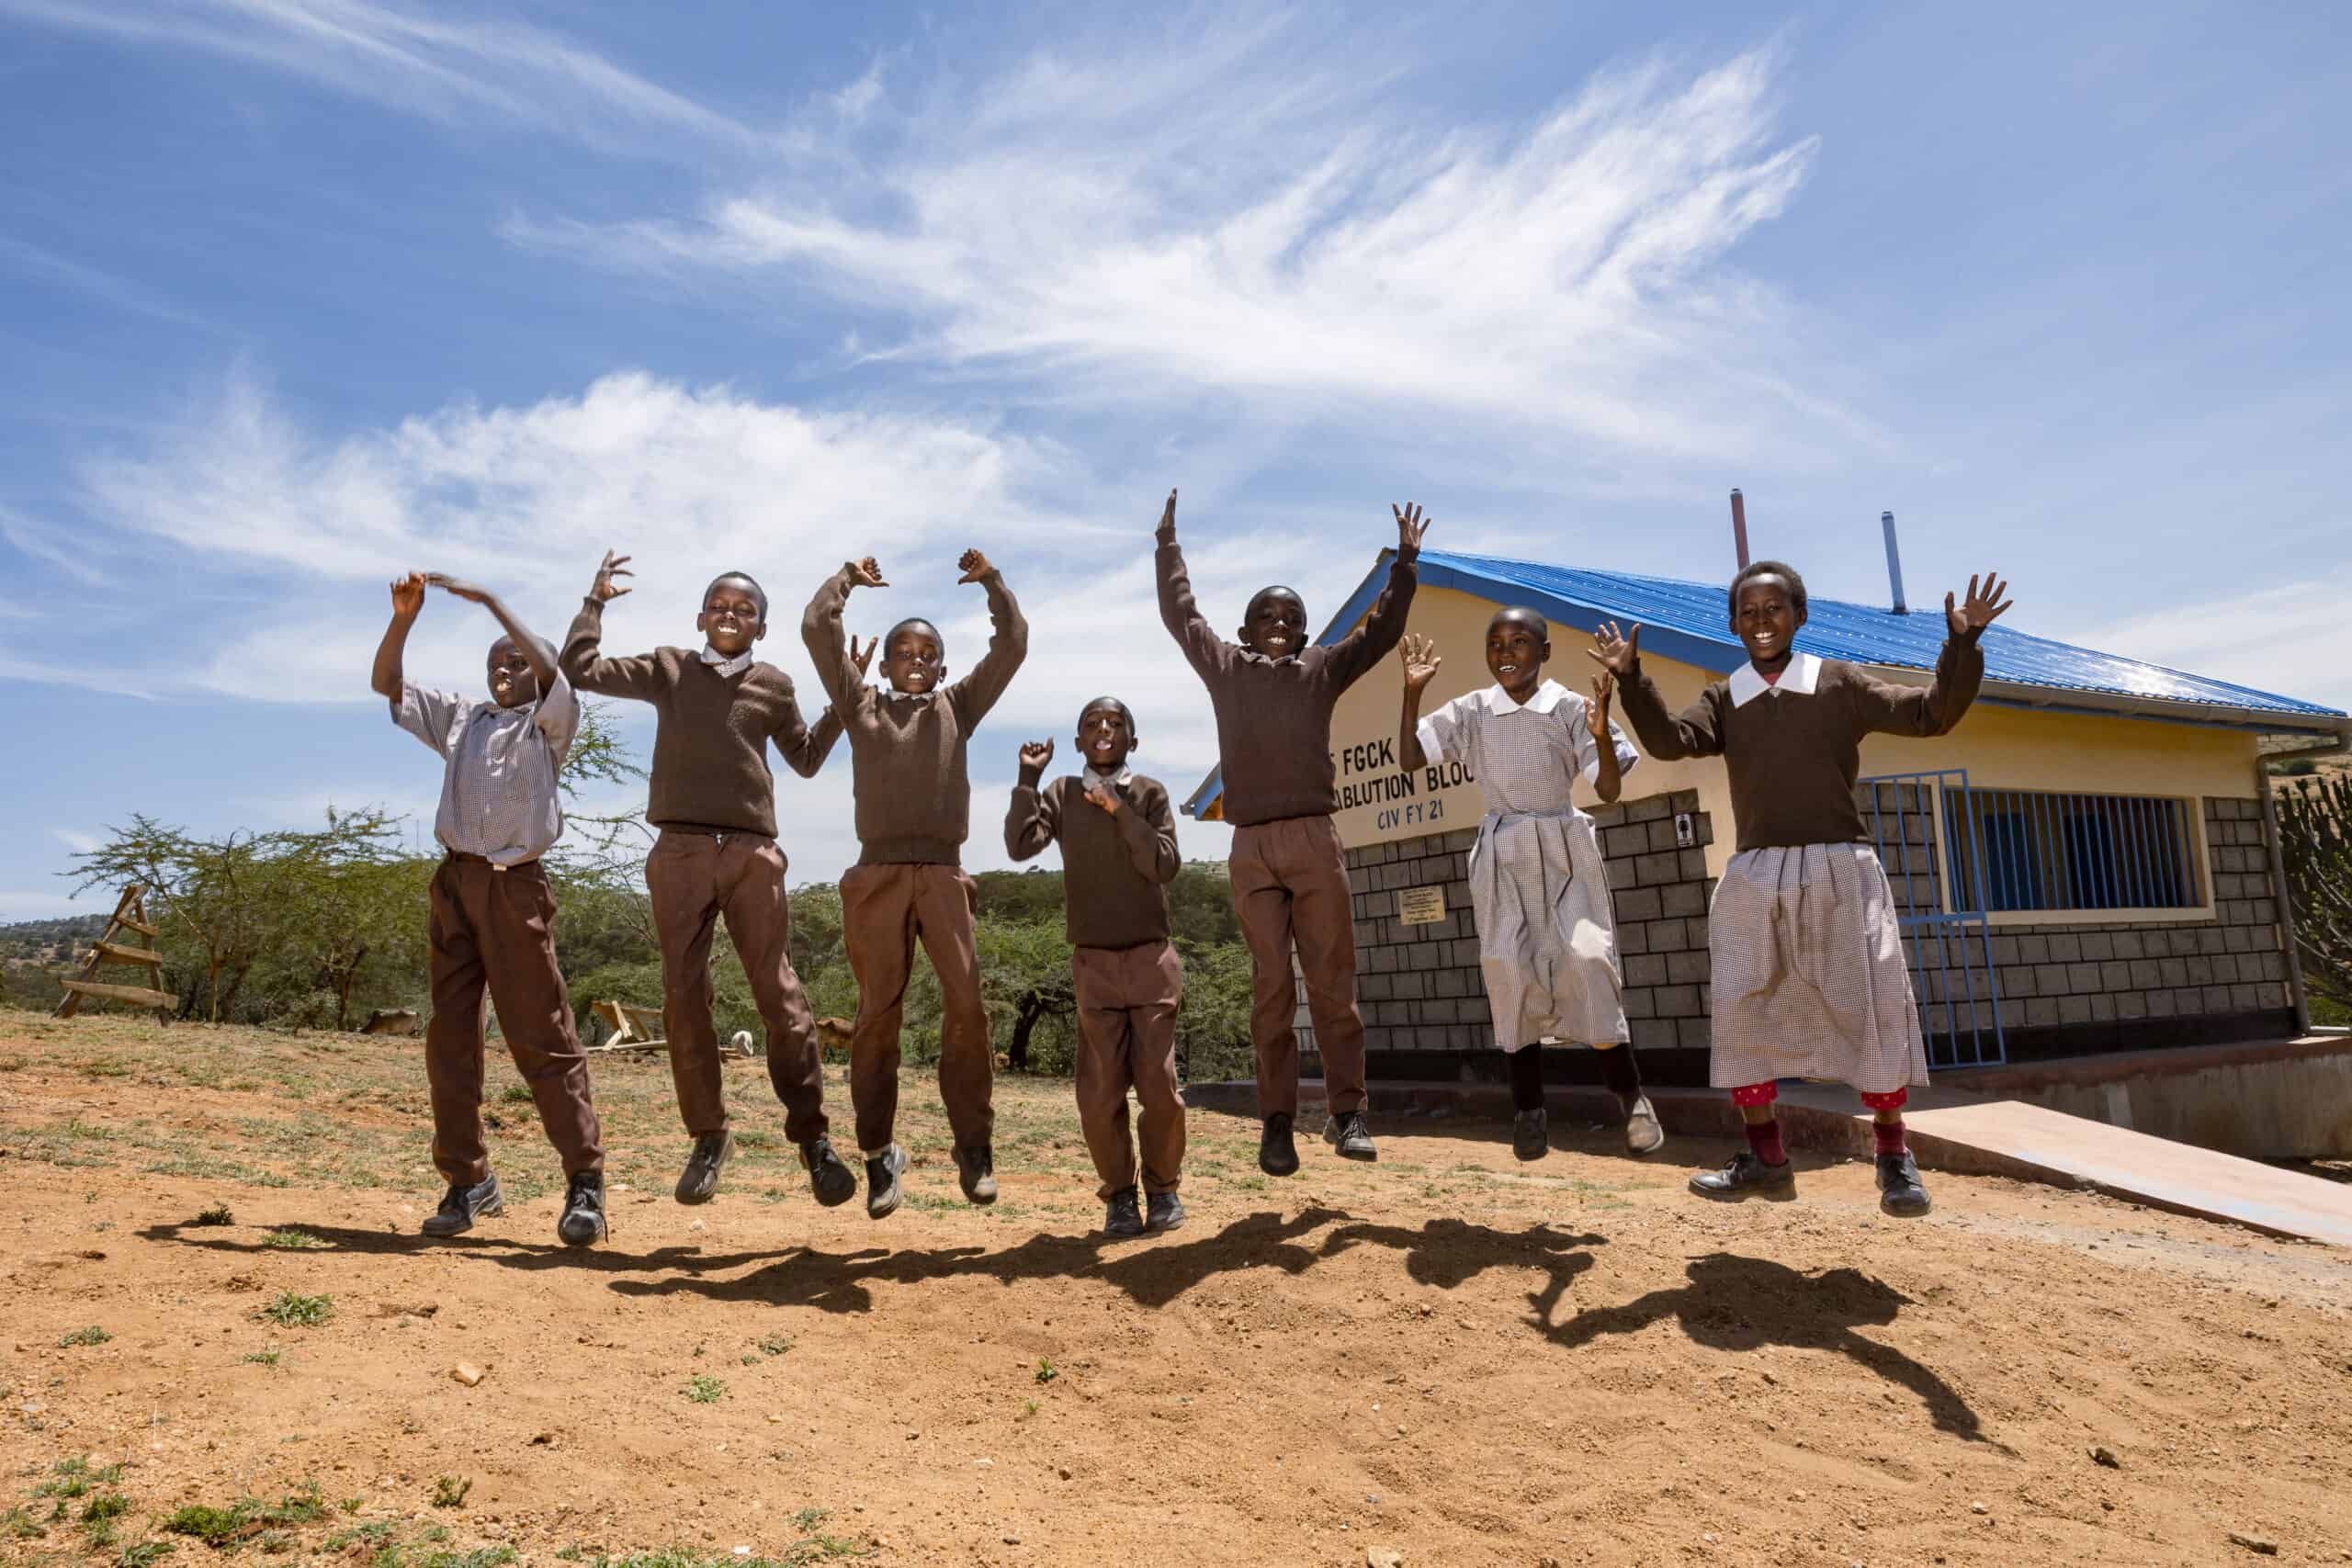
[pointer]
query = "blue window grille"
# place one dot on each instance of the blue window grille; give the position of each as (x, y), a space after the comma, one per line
(2020, 849)
(1947, 941)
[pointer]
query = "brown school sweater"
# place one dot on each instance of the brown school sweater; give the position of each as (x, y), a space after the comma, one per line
(1115, 868)
(1273, 716)
(1792, 756)
(710, 733)
(914, 794)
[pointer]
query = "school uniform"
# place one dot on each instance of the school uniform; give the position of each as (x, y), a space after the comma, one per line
(713, 799)
(1548, 937)
(913, 793)
(1128, 978)
(1290, 882)
(491, 922)
(1808, 973)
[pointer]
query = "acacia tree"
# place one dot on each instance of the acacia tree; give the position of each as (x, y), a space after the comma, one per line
(2315, 844)
(210, 897)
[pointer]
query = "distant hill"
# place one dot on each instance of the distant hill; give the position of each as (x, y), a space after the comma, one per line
(49, 942)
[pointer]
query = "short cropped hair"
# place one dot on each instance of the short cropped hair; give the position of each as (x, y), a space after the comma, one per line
(914, 621)
(546, 648)
(1542, 626)
(1755, 570)
(1107, 703)
(758, 594)
(1267, 593)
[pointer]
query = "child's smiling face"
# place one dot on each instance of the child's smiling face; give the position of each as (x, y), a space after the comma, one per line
(1104, 736)
(731, 618)
(1767, 618)
(1275, 622)
(913, 662)
(511, 683)
(1518, 646)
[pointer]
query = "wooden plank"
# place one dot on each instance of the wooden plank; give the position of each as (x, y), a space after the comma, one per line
(130, 954)
(139, 994)
(627, 1046)
(142, 927)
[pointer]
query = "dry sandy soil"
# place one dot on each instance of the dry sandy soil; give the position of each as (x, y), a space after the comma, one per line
(1448, 1356)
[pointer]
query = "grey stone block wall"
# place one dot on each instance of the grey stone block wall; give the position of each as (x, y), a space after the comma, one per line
(1419, 989)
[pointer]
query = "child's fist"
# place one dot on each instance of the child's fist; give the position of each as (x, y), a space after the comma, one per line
(1108, 799)
(1035, 755)
(407, 593)
(976, 566)
(866, 573)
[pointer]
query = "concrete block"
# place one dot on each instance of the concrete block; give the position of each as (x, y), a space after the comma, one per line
(1649, 808)
(2083, 978)
(1694, 1033)
(1644, 970)
(2065, 948)
(1686, 968)
(2073, 1010)
(2034, 949)
(1375, 988)
(1652, 1033)
(2041, 1012)
(1660, 834)
(1694, 864)
(1640, 1002)
(2161, 1004)
(1634, 937)
(1626, 841)
(1412, 985)
(1679, 1002)
(1655, 870)
(2102, 1009)
(2005, 949)
(2020, 980)
(1427, 955)
(2097, 946)
(2115, 975)
(1685, 898)
(1636, 904)
(1665, 936)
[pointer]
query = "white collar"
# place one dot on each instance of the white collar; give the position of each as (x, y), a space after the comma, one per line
(1544, 698)
(725, 665)
(1094, 775)
(1801, 673)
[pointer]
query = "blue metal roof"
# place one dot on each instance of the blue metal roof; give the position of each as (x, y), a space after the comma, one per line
(1687, 621)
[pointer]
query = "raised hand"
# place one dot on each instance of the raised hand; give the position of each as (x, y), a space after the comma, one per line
(864, 658)
(975, 565)
(1036, 755)
(459, 588)
(1107, 799)
(866, 573)
(1167, 529)
(1421, 658)
(408, 595)
(1596, 713)
(1981, 610)
(1617, 655)
(606, 588)
(1410, 526)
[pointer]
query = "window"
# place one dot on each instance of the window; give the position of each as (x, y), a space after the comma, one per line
(2017, 849)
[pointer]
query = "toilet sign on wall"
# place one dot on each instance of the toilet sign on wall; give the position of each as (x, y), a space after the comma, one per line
(1421, 906)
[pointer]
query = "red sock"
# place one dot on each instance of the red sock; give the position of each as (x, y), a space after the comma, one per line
(1764, 1137)
(1889, 1136)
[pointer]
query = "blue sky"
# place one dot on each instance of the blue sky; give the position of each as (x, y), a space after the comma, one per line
(296, 294)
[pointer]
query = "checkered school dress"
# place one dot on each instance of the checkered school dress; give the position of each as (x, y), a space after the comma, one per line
(1547, 940)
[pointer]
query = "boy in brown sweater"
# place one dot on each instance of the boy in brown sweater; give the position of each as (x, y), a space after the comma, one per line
(713, 799)
(1273, 696)
(1118, 839)
(1808, 973)
(908, 744)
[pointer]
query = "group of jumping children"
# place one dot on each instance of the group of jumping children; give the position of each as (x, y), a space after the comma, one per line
(1808, 977)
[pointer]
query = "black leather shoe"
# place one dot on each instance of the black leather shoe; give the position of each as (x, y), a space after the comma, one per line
(1744, 1175)
(1351, 1134)
(1531, 1133)
(461, 1206)
(1120, 1214)
(975, 1168)
(1163, 1212)
(1899, 1191)
(882, 1189)
(832, 1182)
(1277, 1155)
(700, 1179)
(583, 1210)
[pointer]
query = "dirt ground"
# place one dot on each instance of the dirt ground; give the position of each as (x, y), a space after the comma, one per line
(1449, 1356)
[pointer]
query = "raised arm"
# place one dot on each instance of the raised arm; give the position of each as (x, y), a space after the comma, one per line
(1696, 731)
(804, 746)
(1034, 817)
(408, 601)
(583, 665)
(1008, 644)
(821, 630)
(1369, 643)
(1204, 650)
(1884, 707)
(517, 632)
(1422, 662)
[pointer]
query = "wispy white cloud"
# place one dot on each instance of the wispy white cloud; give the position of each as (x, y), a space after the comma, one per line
(448, 67)
(26, 259)
(76, 839)
(2291, 640)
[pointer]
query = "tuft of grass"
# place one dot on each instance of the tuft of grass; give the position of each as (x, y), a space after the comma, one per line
(772, 1344)
(1046, 1370)
(268, 1358)
(704, 1389)
(449, 1491)
(293, 1238)
(374, 1532)
(217, 1214)
(104, 1507)
(516, 1094)
(93, 1335)
(18, 1524)
(295, 1311)
(75, 1478)
(145, 1553)
(246, 1517)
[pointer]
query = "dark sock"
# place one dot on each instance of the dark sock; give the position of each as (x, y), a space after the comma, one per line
(1526, 1077)
(1622, 1074)
(1764, 1137)
(1889, 1136)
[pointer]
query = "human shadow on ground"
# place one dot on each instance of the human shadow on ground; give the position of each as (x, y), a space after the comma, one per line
(1735, 1303)
(1446, 1252)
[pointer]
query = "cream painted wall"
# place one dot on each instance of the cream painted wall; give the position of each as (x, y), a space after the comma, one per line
(2002, 748)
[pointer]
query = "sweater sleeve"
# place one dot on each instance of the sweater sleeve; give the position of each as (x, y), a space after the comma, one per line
(1883, 707)
(1032, 822)
(1696, 731)
(804, 746)
(1377, 638)
(1008, 646)
(637, 676)
(1204, 650)
(1147, 827)
(820, 632)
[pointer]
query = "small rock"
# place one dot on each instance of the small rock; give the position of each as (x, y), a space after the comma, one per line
(1382, 1557)
(467, 1373)
(1063, 1472)
(985, 1463)
(1978, 1508)
(694, 1225)
(2102, 1454)
(2258, 1545)
(1013, 1540)
(543, 1439)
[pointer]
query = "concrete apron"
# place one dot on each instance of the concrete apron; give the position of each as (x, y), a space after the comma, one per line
(1949, 1131)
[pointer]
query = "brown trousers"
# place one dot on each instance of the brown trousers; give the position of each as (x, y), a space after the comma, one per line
(1290, 884)
(1126, 1034)
(885, 909)
(694, 878)
(494, 931)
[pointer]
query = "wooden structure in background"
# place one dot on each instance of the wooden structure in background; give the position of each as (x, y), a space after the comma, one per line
(129, 918)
